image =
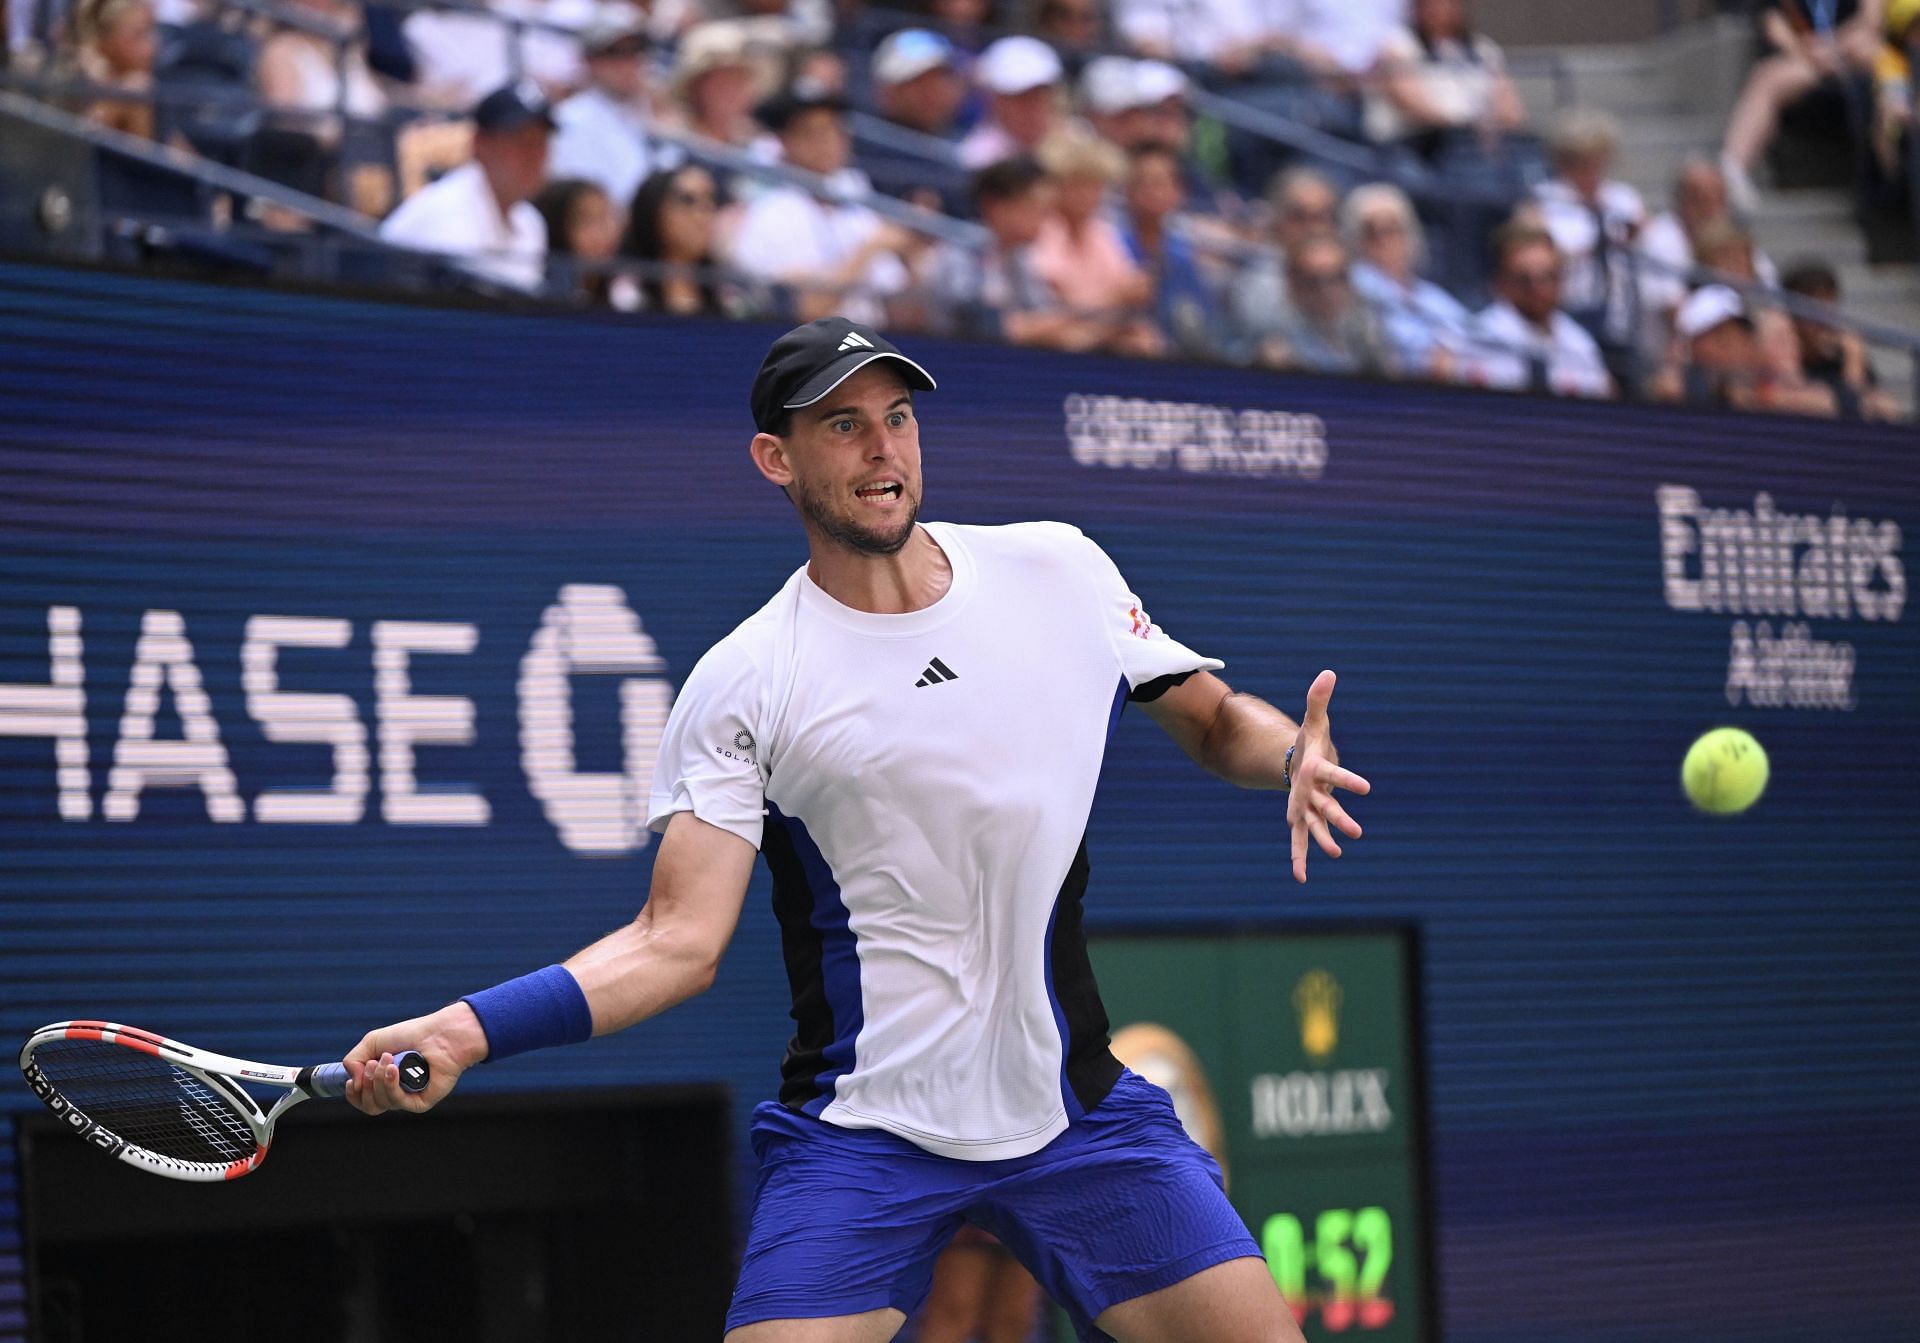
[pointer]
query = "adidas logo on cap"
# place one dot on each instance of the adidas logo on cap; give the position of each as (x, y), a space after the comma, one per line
(855, 341)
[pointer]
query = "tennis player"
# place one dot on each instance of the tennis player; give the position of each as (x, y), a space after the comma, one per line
(910, 732)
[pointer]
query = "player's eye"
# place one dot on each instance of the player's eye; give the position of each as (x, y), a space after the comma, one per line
(897, 419)
(843, 426)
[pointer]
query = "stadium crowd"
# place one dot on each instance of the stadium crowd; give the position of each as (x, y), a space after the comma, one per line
(1071, 182)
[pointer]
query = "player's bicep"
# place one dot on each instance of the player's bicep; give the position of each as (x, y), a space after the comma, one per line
(700, 880)
(1186, 711)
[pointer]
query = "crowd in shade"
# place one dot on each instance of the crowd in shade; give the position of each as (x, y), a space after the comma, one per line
(1053, 173)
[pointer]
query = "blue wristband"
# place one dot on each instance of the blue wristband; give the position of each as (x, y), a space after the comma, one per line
(532, 1012)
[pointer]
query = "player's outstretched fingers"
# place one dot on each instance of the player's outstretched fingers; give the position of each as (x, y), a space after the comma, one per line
(1323, 835)
(1300, 850)
(1336, 815)
(1347, 779)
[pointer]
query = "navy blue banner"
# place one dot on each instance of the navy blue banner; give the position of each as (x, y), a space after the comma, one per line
(334, 636)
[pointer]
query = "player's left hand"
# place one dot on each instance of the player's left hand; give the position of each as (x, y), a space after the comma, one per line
(1311, 808)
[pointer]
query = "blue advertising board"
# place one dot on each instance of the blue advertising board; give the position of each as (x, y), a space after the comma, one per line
(335, 637)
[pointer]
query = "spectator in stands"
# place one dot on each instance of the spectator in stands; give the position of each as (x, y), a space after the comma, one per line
(1342, 37)
(482, 211)
(1184, 305)
(1075, 25)
(1021, 77)
(916, 83)
(1304, 203)
(1727, 249)
(604, 129)
(1594, 220)
(964, 22)
(1717, 359)
(1813, 42)
(1893, 101)
(583, 225)
(1438, 80)
(1325, 328)
(998, 292)
(1671, 240)
(1426, 329)
(1523, 341)
(1078, 251)
(837, 256)
(1784, 384)
(459, 55)
(671, 226)
(300, 70)
(1832, 355)
(117, 47)
(717, 83)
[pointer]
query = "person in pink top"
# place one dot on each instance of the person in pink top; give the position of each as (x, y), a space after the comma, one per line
(1079, 252)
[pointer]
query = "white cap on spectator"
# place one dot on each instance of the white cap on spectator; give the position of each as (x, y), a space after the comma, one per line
(1155, 82)
(910, 53)
(1707, 308)
(1017, 64)
(1107, 84)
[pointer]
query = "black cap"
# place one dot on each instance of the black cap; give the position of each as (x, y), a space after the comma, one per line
(512, 107)
(810, 361)
(778, 112)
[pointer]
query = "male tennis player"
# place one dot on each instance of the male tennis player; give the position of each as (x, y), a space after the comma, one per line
(911, 732)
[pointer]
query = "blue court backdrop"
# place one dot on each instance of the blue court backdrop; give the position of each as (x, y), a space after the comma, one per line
(1674, 1061)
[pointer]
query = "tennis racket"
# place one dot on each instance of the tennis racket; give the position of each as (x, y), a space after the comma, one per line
(168, 1108)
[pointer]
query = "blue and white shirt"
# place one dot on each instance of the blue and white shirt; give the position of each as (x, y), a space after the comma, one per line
(919, 785)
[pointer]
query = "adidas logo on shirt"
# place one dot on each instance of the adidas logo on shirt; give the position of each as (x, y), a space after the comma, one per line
(936, 672)
(855, 341)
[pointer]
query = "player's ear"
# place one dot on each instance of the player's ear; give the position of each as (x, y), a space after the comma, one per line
(770, 455)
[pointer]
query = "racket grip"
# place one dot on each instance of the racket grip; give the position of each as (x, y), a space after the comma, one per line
(329, 1080)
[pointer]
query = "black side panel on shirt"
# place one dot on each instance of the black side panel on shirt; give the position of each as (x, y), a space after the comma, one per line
(1091, 1067)
(1149, 691)
(800, 944)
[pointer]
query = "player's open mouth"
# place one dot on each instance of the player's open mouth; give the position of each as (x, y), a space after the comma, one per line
(880, 492)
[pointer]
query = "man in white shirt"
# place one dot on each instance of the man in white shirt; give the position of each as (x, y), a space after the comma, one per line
(1021, 76)
(837, 255)
(459, 55)
(1523, 342)
(603, 129)
(911, 731)
(1594, 219)
(481, 211)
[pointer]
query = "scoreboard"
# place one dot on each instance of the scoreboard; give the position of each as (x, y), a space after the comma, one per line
(1295, 1058)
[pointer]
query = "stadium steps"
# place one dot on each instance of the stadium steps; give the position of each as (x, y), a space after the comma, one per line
(1671, 98)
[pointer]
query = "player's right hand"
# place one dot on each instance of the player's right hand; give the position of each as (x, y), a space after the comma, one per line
(452, 1041)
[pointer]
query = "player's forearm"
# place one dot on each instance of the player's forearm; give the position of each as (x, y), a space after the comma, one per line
(1247, 742)
(641, 970)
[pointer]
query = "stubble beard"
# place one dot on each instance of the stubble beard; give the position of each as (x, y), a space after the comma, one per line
(820, 515)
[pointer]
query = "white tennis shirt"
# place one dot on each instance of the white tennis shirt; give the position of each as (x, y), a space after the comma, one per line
(919, 785)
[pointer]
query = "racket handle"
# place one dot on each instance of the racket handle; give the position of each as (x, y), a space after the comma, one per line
(328, 1080)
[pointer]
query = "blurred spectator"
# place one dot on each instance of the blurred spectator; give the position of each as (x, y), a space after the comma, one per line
(1716, 358)
(1078, 250)
(604, 128)
(1893, 102)
(823, 250)
(979, 1292)
(1021, 76)
(1834, 357)
(916, 83)
(1813, 42)
(1594, 219)
(801, 23)
(1304, 203)
(1671, 239)
(1232, 36)
(583, 225)
(671, 226)
(1784, 384)
(1426, 329)
(818, 68)
(963, 21)
(482, 210)
(1077, 25)
(1325, 328)
(1184, 306)
(302, 71)
(718, 84)
(1438, 78)
(1727, 249)
(1341, 37)
(1523, 340)
(117, 46)
(459, 55)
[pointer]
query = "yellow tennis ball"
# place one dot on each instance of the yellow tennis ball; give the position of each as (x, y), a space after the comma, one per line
(1725, 771)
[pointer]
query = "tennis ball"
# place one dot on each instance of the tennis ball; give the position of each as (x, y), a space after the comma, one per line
(1725, 771)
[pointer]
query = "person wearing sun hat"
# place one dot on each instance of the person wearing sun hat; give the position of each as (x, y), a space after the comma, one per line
(1021, 77)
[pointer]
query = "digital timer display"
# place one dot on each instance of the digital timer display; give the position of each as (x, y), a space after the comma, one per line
(1292, 1057)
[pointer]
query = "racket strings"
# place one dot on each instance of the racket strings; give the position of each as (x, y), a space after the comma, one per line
(148, 1101)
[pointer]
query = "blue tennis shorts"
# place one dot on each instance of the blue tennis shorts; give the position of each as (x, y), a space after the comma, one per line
(849, 1220)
